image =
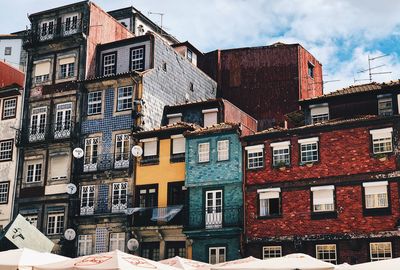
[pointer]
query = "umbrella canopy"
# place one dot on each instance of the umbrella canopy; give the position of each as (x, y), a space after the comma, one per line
(225, 265)
(25, 258)
(186, 264)
(114, 260)
(391, 264)
(289, 262)
(343, 266)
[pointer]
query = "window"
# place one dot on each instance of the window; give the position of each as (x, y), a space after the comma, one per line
(140, 30)
(176, 193)
(109, 64)
(376, 194)
(223, 150)
(255, 156)
(214, 202)
(380, 251)
(204, 152)
(7, 50)
(47, 30)
(87, 200)
(385, 107)
(175, 249)
(58, 166)
(117, 241)
(326, 253)
(190, 55)
(67, 70)
(9, 108)
(91, 154)
(147, 196)
(34, 173)
(319, 113)
(270, 202)
(42, 71)
(137, 59)
(272, 252)
(150, 147)
(280, 154)
(119, 197)
(323, 198)
(62, 127)
(6, 150)
(38, 124)
(309, 150)
(382, 140)
(150, 250)
(310, 70)
(122, 147)
(71, 25)
(32, 219)
(55, 223)
(178, 144)
(216, 255)
(174, 118)
(125, 98)
(94, 102)
(210, 117)
(4, 188)
(85, 245)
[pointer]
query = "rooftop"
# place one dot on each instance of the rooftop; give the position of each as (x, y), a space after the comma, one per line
(170, 127)
(213, 129)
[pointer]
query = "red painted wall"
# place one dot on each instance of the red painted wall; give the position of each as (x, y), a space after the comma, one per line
(9, 75)
(234, 115)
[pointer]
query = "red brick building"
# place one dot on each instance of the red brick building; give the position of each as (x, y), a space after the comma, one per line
(276, 77)
(329, 190)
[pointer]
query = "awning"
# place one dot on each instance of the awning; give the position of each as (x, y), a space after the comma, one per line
(166, 213)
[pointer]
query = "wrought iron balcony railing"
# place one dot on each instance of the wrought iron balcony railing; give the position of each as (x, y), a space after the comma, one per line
(214, 218)
(104, 162)
(158, 216)
(45, 132)
(90, 206)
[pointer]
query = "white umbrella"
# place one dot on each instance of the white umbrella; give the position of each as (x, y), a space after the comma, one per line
(25, 258)
(289, 262)
(225, 265)
(343, 266)
(391, 264)
(114, 260)
(186, 264)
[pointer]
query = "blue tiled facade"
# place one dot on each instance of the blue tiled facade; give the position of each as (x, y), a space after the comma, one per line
(201, 178)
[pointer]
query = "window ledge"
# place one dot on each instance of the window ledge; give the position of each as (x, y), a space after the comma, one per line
(153, 160)
(177, 158)
(377, 211)
(270, 217)
(324, 215)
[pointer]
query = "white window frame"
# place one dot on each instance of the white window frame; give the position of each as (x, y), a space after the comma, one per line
(91, 154)
(72, 28)
(174, 118)
(280, 153)
(85, 244)
(329, 203)
(88, 201)
(63, 121)
(58, 227)
(255, 156)
(37, 172)
(117, 241)
(119, 194)
(377, 258)
(383, 108)
(304, 144)
(47, 34)
(214, 208)
(93, 101)
(121, 151)
(272, 252)
(264, 196)
(32, 219)
(67, 70)
(150, 141)
(38, 124)
(137, 58)
(6, 150)
(382, 140)
(319, 113)
(125, 100)
(178, 144)
(223, 150)
(4, 191)
(373, 195)
(217, 255)
(321, 251)
(203, 152)
(109, 64)
(9, 108)
(207, 114)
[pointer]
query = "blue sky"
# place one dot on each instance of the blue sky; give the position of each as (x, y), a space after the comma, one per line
(340, 33)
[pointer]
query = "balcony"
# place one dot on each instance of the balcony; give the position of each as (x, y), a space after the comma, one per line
(90, 207)
(158, 216)
(52, 32)
(214, 218)
(45, 132)
(105, 162)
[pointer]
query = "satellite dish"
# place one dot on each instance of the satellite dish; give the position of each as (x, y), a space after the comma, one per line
(77, 152)
(137, 151)
(69, 234)
(132, 244)
(71, 189)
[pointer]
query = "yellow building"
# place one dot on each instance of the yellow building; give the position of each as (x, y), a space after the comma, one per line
(160, 193)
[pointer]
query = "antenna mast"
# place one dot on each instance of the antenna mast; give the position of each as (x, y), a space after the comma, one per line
(161, 17)
(369, 69)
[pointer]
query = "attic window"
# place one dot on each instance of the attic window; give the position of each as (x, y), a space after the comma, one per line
(164, 66)
(310, 70)
(191, 86)
(190, 55)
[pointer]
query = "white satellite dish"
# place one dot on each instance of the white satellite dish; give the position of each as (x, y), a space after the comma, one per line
(132, 244)
(71, 189)
(69, 234)
(77, 152)
(137, 151)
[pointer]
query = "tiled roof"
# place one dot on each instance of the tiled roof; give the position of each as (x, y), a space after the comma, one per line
(358, 89)
(198, 101)
(111, 77)
(213, 129)
(179, 125)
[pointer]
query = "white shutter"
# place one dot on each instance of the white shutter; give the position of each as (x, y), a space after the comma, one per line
(381, 133)
(210, 117)
(322, 197)
(375, 190)
(67, 60)
(42, 68)
(320, 110)
(150, 148)
(280, 145)
(59, 167)
(269, 195)
(254, 148)
(178, 144)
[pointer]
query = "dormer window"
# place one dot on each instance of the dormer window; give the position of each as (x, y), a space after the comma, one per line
(190, 55)
(109, 64)
(137, 59)
(311, 70)
(46, 30)
(71, 24)
(210, 117)
(319, 113)
(174, 118)
(385, 107)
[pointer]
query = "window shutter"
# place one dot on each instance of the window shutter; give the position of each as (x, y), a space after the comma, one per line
(269, 195)
(320, 110)
(42, 68)
(150, 148)
(381, 133)
(210, 117)
(375, 190)
(323, 197)
(178, 145)
(67, 60)
(58, 168)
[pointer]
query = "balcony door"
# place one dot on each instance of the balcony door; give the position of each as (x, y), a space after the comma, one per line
(62, 127)
(87, 200)
(38, 124)
(122, 146)
(213, 209)
(90, 161)
(119, 197)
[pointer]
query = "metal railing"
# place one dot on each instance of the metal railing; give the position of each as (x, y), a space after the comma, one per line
(104, 162)
(45, 132)
(214, 217)
(90, 207)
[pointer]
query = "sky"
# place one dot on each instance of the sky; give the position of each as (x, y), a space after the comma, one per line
(341, 34)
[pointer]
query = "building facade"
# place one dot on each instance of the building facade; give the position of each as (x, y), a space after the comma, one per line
(11, 81)
(61, 45)
(11, 50)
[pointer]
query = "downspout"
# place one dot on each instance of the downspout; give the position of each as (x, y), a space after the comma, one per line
(243, 235)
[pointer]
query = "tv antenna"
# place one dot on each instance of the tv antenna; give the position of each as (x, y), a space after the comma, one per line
(159, 14)
(370, 69)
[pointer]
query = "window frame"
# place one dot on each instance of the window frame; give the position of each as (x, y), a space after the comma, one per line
(34, 172)
(124, 99)
(143, 47)
(203, 157)
(223, 151)
(8, 50)
(322, 188)
(310, 67)
(377, 259)
(56, 230)
(175, 245)
(217, 254)
(383, 111)
(277, 146)
(94, 103)
(309, 141)
(326, 260)
(6, 194)
(3, 116)
(11, 151)
(68, 68)
(266, 247)
(85, 241)
(118, 239)
(259, 148)
(376, 211)
(380, 139)
(138, 188)
(259, 192)
(104, 66)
